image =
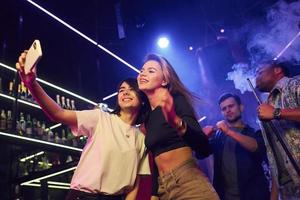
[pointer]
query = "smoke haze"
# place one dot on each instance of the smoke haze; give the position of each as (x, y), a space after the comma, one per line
(266, 38)
(239, 75)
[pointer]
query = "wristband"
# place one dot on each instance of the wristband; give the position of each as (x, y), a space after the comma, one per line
(181, 126)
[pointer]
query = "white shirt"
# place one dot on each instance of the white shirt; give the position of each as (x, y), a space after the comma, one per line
(112, 156)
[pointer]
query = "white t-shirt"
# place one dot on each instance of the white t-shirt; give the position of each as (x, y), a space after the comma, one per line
(112, 156)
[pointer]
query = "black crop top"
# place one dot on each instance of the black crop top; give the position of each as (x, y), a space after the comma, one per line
(162, 137)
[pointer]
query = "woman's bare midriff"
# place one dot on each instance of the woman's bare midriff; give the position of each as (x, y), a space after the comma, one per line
(170, 160)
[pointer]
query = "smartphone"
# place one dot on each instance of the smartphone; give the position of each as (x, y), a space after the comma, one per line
(34, 54)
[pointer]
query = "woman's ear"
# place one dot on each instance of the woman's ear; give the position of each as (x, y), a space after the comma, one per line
(164, 83)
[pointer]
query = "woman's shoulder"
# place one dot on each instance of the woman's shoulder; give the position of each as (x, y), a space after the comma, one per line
(140, 137)
(89, 114)
(139, 132)
(97, 115)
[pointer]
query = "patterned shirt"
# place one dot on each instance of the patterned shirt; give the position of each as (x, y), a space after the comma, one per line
(285, 94)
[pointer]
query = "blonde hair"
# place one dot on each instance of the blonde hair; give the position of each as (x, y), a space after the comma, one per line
(174, 84)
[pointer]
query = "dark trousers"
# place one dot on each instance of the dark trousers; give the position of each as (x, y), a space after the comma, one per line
(79, 195)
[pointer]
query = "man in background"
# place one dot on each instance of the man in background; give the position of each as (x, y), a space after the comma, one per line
(239, 153)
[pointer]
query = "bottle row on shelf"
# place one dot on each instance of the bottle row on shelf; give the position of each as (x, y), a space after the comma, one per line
(30, 163)
(27, 123)
(6, 121)
(33, 162)
(24, 94)
(38, 162)
(65, 103)
(34, 128)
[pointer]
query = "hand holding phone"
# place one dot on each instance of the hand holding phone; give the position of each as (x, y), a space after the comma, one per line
(34, 54)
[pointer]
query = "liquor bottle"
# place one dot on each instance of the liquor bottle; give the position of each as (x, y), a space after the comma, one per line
(23, 94)
(58, 100)
(69, 137)
(44, 134)
(28, 126)
(48, 165)
(39, 130)
(11, 88)
(75, 142)
(27, 167)
(63, 140)
(35, 164)
(18, 127)
(19, 91)
(45, 162)
(2, 120)
(22, 124)
(50, 136)
(39, 164)
(57, 138)
(73, 105)
(68, 106)
(63, 137)
(29, 96)
(34, 128)
(63, 102)
(9, 120)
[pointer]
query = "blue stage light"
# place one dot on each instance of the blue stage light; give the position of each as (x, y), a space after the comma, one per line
(163, 42)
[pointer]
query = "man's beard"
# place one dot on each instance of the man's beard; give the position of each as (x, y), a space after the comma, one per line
(237, 118)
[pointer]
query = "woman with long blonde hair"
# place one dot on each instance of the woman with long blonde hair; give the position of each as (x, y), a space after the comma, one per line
(173, 133)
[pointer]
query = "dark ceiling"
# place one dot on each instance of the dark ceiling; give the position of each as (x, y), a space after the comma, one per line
(76, 64)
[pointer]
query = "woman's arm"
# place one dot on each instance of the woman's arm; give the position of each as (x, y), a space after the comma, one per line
(133, 193)
(49, 106)
(168, 109)
(193, 133)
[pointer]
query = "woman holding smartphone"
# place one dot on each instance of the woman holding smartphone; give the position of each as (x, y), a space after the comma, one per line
(114, 155)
